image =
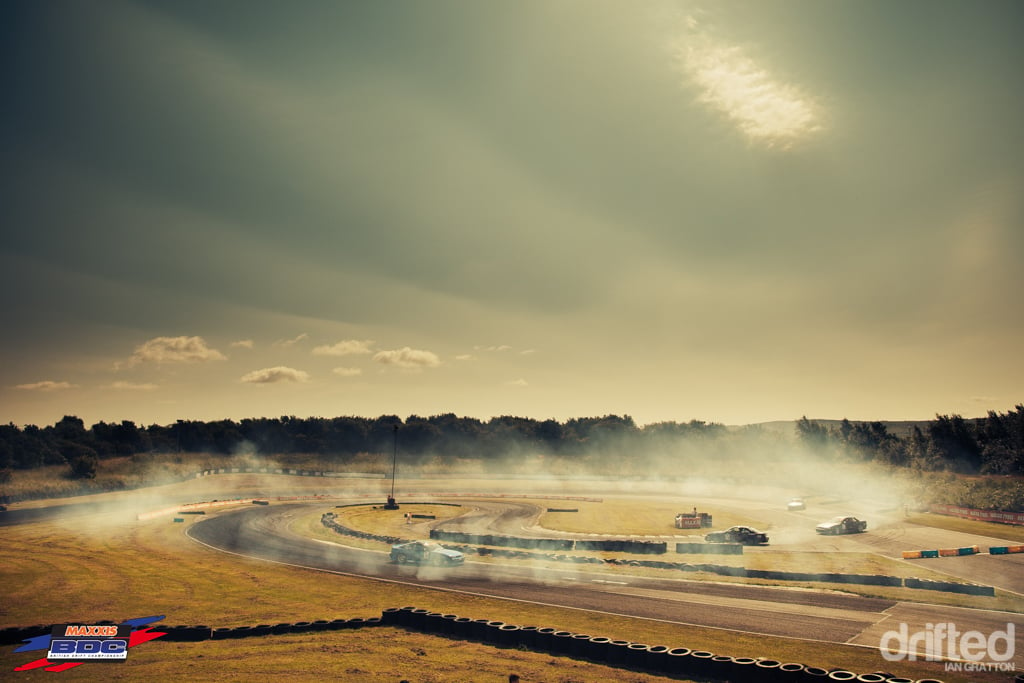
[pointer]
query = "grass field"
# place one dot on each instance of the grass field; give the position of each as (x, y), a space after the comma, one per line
(114, 567)
(1008, 532)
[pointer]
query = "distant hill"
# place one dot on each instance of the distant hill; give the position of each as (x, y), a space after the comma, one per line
(900, 428)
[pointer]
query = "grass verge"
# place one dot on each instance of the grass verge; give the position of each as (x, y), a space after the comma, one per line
(1007, 532)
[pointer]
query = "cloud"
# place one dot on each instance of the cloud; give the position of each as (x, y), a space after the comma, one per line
(347, 372)
(134, 386)
(465, 356)
(408, 358)
(174, 350)
(242, 344)
(348, 347)
(501, 347)
(764, 108)
(47, 385)
(274, 375)
(517, 383)
(291, 342)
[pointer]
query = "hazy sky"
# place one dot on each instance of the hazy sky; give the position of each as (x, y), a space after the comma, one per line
(727, 211)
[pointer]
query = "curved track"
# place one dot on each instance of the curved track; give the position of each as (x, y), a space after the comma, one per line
(263, 533)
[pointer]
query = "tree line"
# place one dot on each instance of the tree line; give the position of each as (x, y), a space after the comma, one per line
(989, 445)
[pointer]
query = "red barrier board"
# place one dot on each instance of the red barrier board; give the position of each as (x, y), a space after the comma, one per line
(979, 515)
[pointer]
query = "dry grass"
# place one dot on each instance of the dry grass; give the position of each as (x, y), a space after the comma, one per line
(1007, 532)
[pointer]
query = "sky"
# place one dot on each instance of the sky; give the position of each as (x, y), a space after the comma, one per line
(676, 210)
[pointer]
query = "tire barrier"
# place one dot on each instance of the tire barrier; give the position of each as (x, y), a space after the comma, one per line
(709, 548)
(330, 520)
(949, 587)
(14, 635)
(502, 541)
(563, 544)
(654, 659)
(790, 672)
(187, 634)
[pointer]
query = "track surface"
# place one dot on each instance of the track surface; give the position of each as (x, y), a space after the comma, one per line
(821, 616)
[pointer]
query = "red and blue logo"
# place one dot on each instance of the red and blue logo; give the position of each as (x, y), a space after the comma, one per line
(69, 645)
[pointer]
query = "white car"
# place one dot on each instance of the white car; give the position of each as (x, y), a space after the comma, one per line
(842, 525)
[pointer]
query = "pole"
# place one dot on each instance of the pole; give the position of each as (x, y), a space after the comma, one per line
(392, 505)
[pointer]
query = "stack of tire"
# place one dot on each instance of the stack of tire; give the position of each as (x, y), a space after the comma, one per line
(655, 659)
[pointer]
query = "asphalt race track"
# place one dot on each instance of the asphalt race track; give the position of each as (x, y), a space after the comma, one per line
(263, 533)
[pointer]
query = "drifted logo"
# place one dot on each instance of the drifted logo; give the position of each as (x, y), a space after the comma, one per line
(69, 645)
(945, 642)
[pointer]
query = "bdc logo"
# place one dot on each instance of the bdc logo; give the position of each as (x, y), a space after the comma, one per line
(69, 643)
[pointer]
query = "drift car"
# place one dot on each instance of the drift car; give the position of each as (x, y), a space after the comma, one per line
(738, 534)
(425, 552)
(842, 525)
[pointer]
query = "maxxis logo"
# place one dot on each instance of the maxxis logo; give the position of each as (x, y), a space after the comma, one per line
(70, 645)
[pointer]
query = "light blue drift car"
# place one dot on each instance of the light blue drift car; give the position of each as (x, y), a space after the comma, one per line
(425, 552)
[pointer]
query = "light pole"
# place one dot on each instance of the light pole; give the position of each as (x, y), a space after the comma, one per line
(391, 504)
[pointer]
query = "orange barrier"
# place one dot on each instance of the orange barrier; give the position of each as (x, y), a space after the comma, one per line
(944, 552)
